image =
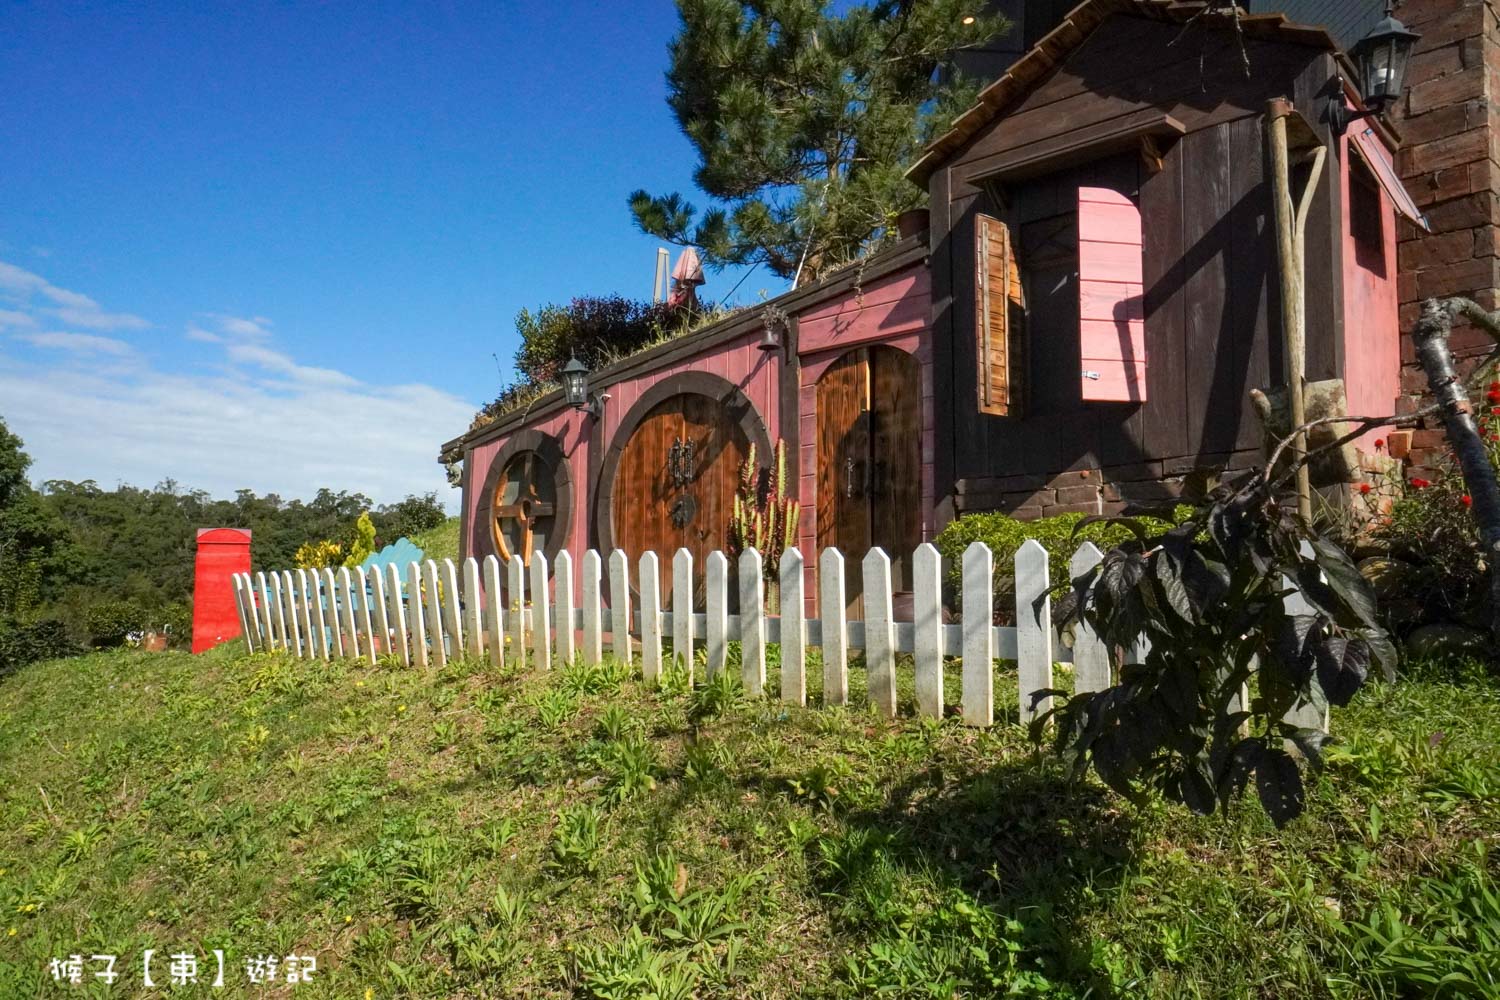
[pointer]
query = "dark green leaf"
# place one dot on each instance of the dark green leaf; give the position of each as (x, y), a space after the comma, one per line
(1310, 743)
(1279, 783)
(1343, 665)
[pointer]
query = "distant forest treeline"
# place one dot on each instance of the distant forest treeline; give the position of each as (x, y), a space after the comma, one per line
(96, 559)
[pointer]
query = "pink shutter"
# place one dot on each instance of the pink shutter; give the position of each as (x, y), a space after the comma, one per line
(1111, 317)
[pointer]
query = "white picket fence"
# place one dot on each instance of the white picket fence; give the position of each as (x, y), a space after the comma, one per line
(428, 614)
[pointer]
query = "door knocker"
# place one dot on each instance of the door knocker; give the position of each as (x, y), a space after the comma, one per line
(681, 462)
(684, 509)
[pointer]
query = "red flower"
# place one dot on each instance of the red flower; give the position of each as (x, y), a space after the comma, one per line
(1420, 484)
(1493, 395)
(1468, 500)
(1495, 386)
(1364, 487)
(1379, 443)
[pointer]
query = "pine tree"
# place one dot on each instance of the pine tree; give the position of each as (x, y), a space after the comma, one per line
(804, 120)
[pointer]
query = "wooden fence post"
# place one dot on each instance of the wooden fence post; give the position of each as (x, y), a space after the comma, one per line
(716, 608)
(793, 628)
(682, 610)
(927, 624)
(593, 616)
(361, 619)
(880, 633)
(417, 624)
(433, 613)
(453, 622)
(562, 599)
(650, 587)
(494, 611)
(377, 621)
(351, 622)
(242, 600)
(834, 619)
(396, 611)
(473, 610)
(1090, 656)
(516, 579)
(289, 613)
(267, 612)
(1033, 628)
(541, 617)
(979, 641)
(307, 595)
(333, 639)
(753, 622)
(619, 604)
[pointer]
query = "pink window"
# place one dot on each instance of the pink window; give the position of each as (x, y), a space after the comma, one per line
(1111, 317)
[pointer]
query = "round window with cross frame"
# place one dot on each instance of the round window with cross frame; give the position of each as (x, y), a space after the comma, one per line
(528, 498)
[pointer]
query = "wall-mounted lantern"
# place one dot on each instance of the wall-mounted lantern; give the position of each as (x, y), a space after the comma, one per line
(1381, 58)
(774, 323)
(575, 376)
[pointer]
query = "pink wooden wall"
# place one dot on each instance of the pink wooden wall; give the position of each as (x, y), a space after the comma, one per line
(1372, 331)
(894, 312)
(754, 372)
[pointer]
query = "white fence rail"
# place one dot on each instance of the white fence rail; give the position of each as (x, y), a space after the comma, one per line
(425, 615)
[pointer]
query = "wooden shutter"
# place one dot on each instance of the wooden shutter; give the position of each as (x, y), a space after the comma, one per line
(998, 312)
(1111, 315)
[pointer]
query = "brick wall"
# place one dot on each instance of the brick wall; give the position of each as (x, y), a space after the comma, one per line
(1449, 121)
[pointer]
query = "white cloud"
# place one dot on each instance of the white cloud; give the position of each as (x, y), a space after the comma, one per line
(73, 308)
(275, 361)
(256, 419)
(77, 343)
(236, 326)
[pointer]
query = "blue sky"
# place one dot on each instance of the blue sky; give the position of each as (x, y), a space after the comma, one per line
(274, 246)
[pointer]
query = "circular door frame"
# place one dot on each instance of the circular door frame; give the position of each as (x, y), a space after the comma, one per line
(549, 449)
(720, 390)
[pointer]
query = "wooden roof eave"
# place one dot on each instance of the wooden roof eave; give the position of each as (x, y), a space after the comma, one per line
(1053, 49)
(902, 255)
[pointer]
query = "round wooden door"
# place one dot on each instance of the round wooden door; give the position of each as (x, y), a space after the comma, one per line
(675, 483)
(869, 490)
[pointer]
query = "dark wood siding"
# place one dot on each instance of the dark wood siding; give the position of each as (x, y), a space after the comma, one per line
(1212, 317)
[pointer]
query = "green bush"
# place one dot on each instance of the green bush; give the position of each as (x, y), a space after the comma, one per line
(44, 639)
(1005, 534)
(109, 622)
(176, 620)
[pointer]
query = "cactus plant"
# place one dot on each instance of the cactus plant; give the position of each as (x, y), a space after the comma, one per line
(763, 517)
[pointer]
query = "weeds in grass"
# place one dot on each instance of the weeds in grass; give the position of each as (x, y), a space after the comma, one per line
(494, 838)
(717, 696)
(575, 841)
(555, 706)
(633, 968)
(630, 768)
(614, 723)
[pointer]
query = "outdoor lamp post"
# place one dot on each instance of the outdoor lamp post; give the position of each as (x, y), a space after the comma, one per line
(575, 377)
(1381, 58)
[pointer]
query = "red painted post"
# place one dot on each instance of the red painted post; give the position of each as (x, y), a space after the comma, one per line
(222, 552)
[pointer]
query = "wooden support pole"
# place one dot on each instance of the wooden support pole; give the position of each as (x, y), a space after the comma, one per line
(1293, 312)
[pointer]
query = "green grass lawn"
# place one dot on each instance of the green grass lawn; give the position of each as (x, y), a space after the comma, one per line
(476, 833)
(439, 543)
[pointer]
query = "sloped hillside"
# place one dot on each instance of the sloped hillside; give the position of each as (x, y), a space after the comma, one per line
(473, 833)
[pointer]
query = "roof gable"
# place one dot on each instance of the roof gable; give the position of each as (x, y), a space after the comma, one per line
(1044, 61)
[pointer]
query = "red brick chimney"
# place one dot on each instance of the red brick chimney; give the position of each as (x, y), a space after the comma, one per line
(1450, 161)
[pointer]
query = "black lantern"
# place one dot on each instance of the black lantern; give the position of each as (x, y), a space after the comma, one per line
(1381, 58)
(575, 376)
(773, 322)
